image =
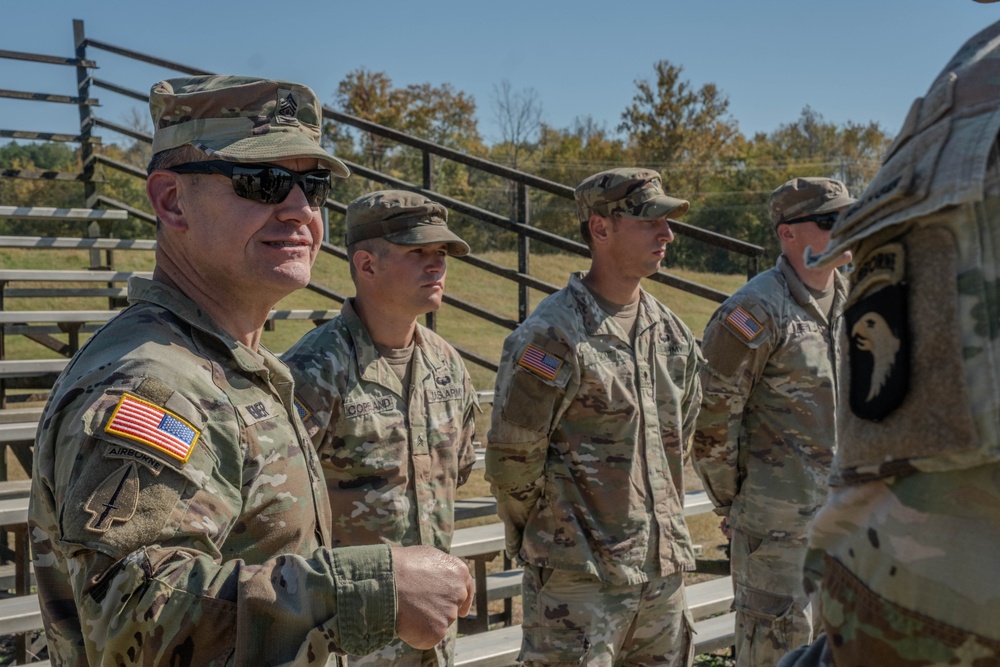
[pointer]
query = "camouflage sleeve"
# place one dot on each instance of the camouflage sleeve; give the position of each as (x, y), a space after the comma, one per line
(735, 355)
(692, 398)
(467, 451)
(267, 613)
(530, 388)
(192, 552)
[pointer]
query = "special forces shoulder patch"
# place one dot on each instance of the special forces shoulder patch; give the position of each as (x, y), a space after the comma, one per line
(744, 323)
(540, 362)
(115, 499)
(147, 423)
(878, 333)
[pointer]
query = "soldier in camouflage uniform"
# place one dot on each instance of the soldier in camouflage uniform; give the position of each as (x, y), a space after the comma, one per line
(905, 550)
(178, 514)
(388, 403)
(765, 435)
(595, 404)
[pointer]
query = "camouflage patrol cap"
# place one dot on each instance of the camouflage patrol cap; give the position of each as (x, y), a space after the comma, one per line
(403, 218)
(635, 192)
(807, 196)
(240, 119)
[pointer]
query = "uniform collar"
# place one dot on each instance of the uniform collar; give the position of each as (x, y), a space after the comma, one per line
(801, 293)
(599, 323)
(373, 367)
(167, 297)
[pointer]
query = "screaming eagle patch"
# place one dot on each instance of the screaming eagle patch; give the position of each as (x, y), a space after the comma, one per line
(878, 334)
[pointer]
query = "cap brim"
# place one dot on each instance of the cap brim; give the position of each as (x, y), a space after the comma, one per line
(659, 207)
(836, 204)
(831, 206)
(426, 234)
(272, 147)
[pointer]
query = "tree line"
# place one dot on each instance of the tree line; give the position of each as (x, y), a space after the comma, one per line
(685, 132)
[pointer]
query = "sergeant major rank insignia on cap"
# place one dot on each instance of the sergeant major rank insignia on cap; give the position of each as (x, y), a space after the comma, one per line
(540, 362)
(142, 421)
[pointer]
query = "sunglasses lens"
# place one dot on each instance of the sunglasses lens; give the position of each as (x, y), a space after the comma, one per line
(826, 222)
(268, 185)
(317, 186)
(263, 183)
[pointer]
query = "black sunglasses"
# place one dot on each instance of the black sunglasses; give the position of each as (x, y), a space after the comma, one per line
(824, 221)
(265, 183)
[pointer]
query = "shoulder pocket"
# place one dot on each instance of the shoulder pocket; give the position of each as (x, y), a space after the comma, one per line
(540, 375)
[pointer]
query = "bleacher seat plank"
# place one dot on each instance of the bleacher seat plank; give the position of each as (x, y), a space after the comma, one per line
(714, 633)
(705, 598)
(8, 577)
(70, 242)
(496, 648)
(69, 276)
(13, 512)
(82, 316)
(22, 415)
(18, 432)
(473, 508)
(314, 315)
(55, 316)
(47, 213)
(15, 488)
(23, 368)
(64, 292)
(20, 614)
(708, 598)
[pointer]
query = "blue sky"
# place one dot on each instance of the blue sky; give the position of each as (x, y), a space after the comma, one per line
(853, 60)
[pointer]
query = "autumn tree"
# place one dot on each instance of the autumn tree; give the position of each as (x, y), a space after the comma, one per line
(682, 131)
(436, 113)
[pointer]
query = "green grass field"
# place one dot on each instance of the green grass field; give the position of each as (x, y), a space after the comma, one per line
(464, 282)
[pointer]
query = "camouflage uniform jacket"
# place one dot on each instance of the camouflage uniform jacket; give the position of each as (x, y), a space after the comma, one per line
(392, 463)
(766, 433)
(589, 434)
(914, 509)
(178, 513)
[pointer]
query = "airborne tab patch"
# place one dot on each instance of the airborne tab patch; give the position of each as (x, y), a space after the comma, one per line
(744, 323)
(540, 362)
(151, 425)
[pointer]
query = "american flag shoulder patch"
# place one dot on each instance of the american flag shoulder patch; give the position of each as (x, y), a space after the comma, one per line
(152, 425)
(538, 361)
(300, 408)
(744, 323)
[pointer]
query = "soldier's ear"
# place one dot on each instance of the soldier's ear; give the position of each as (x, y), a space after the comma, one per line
(364, 264)
(600, 228)
(163, 188)
(786, 232)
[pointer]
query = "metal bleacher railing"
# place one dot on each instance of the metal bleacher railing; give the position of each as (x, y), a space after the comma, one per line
(18, 425)
(520, 224)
